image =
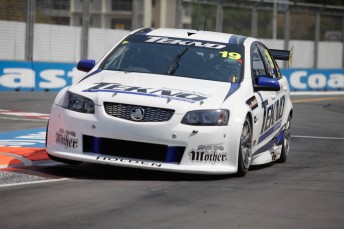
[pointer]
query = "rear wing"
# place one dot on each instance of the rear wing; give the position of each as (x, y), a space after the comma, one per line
(279, 54)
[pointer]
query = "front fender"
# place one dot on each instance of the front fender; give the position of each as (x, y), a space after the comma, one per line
(60, 96)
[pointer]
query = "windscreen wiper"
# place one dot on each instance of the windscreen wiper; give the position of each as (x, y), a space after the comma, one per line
(174, 64)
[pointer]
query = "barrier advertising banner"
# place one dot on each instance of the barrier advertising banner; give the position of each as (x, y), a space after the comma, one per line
(43, 76)
(315, 79)
(37, 76)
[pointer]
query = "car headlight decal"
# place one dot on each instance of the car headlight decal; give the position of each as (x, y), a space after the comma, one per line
(206, 118)
(78, 103)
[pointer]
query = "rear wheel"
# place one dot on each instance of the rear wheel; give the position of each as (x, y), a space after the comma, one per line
(286, 142)
(245, 148)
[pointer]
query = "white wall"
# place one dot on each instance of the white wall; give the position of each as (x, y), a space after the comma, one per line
(12, 40)
(330, 53)
(57, 43)
(101, 40)
(54, 43)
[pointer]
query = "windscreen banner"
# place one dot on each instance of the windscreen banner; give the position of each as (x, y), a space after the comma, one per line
(44, 76)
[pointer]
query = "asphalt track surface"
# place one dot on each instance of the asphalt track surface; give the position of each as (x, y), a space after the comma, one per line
(305, 192)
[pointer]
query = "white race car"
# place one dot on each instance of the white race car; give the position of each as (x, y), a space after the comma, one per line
(176, 100)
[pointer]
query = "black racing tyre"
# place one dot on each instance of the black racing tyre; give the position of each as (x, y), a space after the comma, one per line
(245, 148)
(286, 142)
(66, 161)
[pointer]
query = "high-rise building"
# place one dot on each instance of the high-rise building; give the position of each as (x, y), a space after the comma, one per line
(132, 14)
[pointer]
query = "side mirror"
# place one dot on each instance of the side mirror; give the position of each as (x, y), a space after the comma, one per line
(267, 84)
(86, 65)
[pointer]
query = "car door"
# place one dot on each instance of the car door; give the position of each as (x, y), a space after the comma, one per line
(267, 118)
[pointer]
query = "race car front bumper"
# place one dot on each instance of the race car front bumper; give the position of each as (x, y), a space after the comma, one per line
(168, 146)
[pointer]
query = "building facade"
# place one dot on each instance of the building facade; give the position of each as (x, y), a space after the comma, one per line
(132, 14)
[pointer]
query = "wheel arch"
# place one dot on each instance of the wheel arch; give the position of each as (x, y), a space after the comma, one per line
(250, 116)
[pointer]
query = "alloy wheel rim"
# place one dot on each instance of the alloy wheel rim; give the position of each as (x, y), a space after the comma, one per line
(246, 145)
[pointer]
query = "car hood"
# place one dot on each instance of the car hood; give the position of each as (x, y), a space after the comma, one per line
(171, 92)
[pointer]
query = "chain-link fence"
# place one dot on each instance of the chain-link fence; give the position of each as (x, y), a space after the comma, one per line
(315, 29)
(66, 30)
(259, 18)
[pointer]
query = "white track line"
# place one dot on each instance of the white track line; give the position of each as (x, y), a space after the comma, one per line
(317, 93)
(316, 137)
(25, 119)
(34, 182)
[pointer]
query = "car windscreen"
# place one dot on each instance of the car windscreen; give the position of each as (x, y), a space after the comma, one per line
(178, 57)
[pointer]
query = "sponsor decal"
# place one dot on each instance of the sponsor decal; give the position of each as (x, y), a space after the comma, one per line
(172, 94)
(233, 56)
(172, 41)
(208, 154)
(252, 102)
(128, 161)
(67, 138)
(276, 153)
(272, 113)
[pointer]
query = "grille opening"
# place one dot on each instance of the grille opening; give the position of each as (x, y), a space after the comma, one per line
(152, 114)
(131, 149)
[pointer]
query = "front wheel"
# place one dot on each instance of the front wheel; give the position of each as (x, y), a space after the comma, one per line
(245, 149)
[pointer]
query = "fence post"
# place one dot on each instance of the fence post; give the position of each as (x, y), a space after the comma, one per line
(147, 13)
(254, 21)
(343, 43)
(179, 10)
(219, 16)
(316, 40)
(30, 20)
(274, 21)
(286, 33)
(135, 15)
(84, 29)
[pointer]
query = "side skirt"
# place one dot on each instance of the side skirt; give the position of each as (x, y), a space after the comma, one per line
(271, 151)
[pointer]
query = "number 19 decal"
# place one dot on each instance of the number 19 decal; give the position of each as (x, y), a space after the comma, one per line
(231, 55)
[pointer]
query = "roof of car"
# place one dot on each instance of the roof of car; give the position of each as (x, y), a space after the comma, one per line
(194, 35)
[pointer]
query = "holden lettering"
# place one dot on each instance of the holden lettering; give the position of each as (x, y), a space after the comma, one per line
(129, 161)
